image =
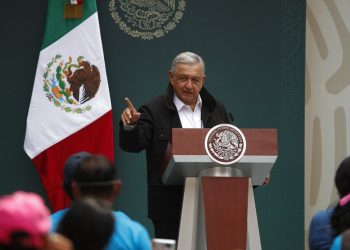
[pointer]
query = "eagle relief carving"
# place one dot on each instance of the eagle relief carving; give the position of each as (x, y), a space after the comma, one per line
(147, 19)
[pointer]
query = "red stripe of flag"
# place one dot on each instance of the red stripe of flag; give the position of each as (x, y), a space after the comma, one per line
(96, 138)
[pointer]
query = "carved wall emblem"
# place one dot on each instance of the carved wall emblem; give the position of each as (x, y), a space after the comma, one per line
(147, 19)
(225, 144)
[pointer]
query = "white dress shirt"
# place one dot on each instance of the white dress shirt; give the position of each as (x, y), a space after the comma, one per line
(189, 118)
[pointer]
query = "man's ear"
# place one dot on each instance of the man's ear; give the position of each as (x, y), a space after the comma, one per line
(75, 190)
(204, 79)
(171, 77)
(117, 187)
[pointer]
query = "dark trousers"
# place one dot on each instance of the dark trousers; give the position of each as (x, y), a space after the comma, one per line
(166, 229)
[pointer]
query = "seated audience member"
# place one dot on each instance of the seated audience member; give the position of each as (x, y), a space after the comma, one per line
(327, 224)
(320, 230)
(88, 223)
(340, 219)
(25, 224)
(69, 171)
(94, 176)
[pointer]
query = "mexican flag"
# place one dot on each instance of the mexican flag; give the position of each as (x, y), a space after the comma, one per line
(70, 109)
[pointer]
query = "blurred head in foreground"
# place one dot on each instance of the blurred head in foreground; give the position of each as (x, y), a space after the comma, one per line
(89, 224)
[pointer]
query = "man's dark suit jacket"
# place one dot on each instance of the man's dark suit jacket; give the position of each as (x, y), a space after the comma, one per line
(152, 132)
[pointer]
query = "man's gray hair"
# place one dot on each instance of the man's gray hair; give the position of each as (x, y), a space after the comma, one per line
(188, 58)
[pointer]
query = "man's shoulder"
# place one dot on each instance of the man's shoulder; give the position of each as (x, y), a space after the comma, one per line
(58, 214)
(156, 101)
(125, 221)
(128, 234)
(210, 101)
(56, 218)
(159, 105)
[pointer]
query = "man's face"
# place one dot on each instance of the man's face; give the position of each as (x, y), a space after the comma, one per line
(187, 81)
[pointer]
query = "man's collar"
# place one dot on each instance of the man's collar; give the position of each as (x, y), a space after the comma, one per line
(179, 104)
(207, 99)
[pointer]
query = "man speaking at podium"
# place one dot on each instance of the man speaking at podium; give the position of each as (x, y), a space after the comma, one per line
(187, 104)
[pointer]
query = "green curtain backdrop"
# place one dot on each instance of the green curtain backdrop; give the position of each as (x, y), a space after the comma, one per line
(254, 54)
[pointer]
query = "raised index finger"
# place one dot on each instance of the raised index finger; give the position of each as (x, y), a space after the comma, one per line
(129, 104)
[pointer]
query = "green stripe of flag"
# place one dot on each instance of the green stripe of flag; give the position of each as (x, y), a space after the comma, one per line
(57, 26)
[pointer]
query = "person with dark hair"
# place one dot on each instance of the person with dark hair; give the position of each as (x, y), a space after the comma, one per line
(89, 224)
(340, 219)
(186, 104)
(69, 171)
(93, 176)
(325, 225)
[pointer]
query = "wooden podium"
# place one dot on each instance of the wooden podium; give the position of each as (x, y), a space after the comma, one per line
(218, 213)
